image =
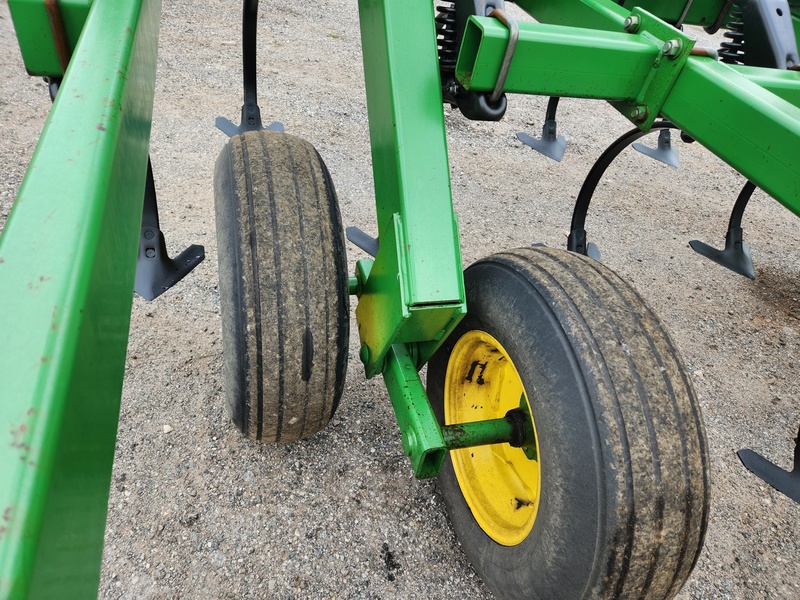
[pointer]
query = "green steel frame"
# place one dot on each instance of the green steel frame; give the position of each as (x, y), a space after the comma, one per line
(68, 253)
(67, 264)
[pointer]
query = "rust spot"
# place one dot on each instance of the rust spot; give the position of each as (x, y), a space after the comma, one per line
(7, 513)
(100, 127)
(17, 437)
(2, 260)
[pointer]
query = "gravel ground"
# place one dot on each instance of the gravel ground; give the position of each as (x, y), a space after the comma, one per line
(196, 511)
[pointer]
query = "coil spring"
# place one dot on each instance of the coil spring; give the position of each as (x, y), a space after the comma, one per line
(732, 52)
(446, 36)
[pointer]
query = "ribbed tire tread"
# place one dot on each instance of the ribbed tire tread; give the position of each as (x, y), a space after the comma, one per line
(283, 286)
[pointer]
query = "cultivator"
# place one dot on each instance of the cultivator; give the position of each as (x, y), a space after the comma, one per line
(553, 394)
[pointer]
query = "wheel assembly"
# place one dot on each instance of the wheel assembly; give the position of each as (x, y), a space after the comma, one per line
(283, 286)
(611, 501)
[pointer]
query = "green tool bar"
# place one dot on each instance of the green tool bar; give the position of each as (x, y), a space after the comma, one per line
(747, 126)
(67, 263)
(555, 60)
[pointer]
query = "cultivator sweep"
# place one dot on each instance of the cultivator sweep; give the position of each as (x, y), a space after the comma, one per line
(562, 425)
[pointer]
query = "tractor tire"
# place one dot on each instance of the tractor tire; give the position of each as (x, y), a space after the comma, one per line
(283, 286)
(612, 502)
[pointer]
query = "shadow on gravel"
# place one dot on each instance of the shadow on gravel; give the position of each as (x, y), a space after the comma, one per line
(779, 289)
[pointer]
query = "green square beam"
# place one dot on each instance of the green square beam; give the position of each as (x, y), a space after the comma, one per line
(414, 292)
(67, 263)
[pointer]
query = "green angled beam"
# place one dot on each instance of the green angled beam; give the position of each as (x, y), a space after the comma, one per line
(746, 125)
(67, 263)
(697, 12)
(591, 14)
(784, 84)
(609, 15)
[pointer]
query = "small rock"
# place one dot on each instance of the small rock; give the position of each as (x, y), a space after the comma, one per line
(168, 429)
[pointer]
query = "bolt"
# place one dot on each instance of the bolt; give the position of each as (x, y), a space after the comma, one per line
(631, 23)
(638, 113)
(672, 48)
(148, 234)
(150, 253)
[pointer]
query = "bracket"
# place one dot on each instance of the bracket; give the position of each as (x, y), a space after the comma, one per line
(386, 313)
(769, 33)
(675, 50)
(156, 272)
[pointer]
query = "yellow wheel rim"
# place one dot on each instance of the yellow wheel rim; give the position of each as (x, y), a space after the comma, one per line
(500, 484)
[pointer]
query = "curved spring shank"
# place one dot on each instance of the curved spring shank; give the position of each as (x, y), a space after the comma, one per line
(577, 236)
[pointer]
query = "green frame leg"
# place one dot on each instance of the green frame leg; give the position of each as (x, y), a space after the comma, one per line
(414, 291)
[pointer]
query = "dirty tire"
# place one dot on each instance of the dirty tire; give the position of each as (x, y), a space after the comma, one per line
(283, 286)
(624, 489)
